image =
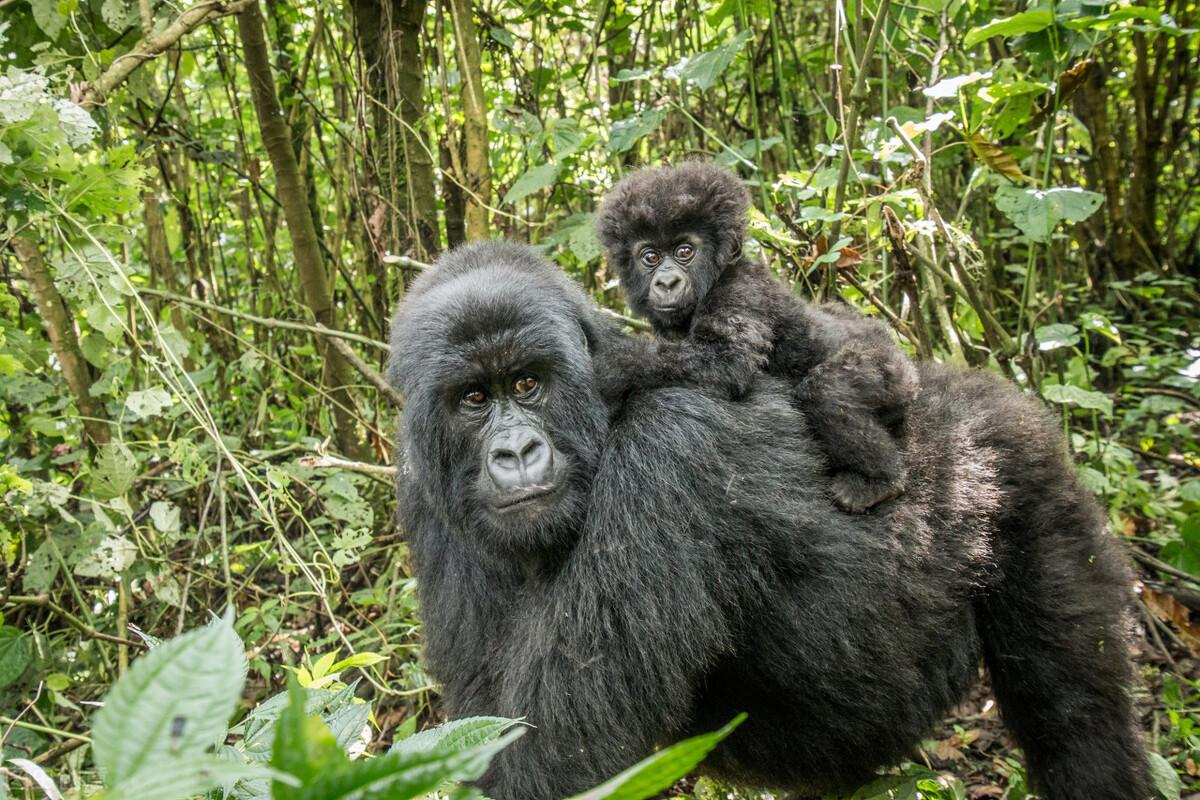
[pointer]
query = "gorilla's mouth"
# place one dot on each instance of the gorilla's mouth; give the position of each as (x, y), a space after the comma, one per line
(530, 495)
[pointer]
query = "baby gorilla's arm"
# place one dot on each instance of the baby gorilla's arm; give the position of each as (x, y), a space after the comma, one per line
(721, 356)
(856, 396)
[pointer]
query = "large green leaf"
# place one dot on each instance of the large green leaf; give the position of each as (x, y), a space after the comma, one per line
(400, 776)
(1059, 334)
(625, 133)
(650, 776)
(455, 735)
(177, 777)
(703, 69)
(1037, 211)
(174, 701)
(304, 746)
(532, 181)
(14, 654)
(1067, 394)
(1025, 22)
(1167, 784)
(113, 471)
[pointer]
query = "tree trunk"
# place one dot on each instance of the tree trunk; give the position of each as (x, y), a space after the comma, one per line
(293, 196)
(408, 17)
(478, 178)
(61, 329)
(452, 194)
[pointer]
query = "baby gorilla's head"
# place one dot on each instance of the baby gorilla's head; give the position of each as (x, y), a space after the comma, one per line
(671, 232)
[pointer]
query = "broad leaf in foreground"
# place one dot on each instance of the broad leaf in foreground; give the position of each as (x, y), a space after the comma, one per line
(652, 775)
(174, 701)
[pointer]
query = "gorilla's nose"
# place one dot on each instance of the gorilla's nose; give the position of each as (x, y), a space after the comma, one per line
(666, 288)
(520, 458)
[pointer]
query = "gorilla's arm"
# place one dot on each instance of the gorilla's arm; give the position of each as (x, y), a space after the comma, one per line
(606, 658)
(856, 385)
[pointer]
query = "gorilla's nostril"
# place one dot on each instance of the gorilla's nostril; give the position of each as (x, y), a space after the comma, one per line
(529, 451)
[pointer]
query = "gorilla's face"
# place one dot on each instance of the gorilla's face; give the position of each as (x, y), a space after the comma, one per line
(666, 276)
(502, 424)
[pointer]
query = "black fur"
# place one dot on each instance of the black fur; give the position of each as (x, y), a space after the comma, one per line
(737, 321)
(698, 569)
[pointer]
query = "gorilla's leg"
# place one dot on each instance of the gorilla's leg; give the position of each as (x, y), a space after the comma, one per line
(1054, 635)
(854, 399)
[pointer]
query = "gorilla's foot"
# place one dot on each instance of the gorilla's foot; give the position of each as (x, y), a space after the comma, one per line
(858, 493)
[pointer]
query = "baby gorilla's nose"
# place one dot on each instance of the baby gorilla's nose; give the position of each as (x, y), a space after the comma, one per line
(668, 282)
(520, 458)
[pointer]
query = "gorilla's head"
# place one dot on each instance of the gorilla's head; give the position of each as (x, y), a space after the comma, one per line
(502, 425)
(671, 231)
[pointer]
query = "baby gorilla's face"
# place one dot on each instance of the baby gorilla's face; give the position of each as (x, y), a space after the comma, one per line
(667, 277)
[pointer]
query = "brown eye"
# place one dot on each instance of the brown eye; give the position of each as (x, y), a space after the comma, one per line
(684, 252)
(525, 385)
(651, 258)
(474, 398)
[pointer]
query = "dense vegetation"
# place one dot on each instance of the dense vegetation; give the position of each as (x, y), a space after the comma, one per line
(210, 208)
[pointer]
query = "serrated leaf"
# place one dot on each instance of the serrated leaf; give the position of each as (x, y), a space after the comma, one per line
(1066, 394)
(625, 133)
(177, 777)
(455, 735)
(107, 558)
(532, 181)
(652, 775)
(304, 746)
(174, 701)
(113, 471)
(1060, 334)
(405, 775)
(703, 69)
(14, 654)
(1025, 22)
(1038, 211)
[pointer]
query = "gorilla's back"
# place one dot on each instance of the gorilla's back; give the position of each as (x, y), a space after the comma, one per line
(872, 638)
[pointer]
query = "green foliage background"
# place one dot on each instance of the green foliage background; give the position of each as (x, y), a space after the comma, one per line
(1011, 185)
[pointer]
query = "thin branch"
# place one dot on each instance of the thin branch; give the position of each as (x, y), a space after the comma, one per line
(319, 330)
(94, 93)
(333, 462)
(372, 376)
(44, 601)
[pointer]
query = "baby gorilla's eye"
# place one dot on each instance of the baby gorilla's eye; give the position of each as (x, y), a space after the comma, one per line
(650, 257)
(684, 252)
(474, 397)
(525, 385)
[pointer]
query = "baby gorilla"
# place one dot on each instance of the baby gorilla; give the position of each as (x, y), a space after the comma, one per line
(675, 234)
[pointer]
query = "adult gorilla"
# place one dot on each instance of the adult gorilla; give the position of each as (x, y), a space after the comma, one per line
(622, 585)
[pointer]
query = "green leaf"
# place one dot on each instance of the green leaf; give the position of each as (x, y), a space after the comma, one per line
(1164, 777)
(455, 735)
(148, 403)
(1025, 22)
(1190, 491)
(165, 516)
(950, 87)
(360, 660)
(565, 137)
(177, 777)
(304, 746)
(1067, 394)
(650, 776)
(1036, 211)
(625, 133)
(703, 69)
(1060, 334)
(47, 17)
(113, 471)
(399, 776)
(532, 181)
(174, 701)
(14, 654)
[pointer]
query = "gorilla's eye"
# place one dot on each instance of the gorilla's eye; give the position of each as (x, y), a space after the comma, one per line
(474, 397)
(684, 252)
(651, 257)
(525, 385)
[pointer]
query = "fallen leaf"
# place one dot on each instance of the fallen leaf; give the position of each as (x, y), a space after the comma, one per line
(1179, 616)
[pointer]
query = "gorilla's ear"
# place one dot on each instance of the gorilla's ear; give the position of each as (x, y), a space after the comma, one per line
(598, 330)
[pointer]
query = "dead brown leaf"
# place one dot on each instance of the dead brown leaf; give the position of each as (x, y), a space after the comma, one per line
(1176, 614)
(995, 156)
